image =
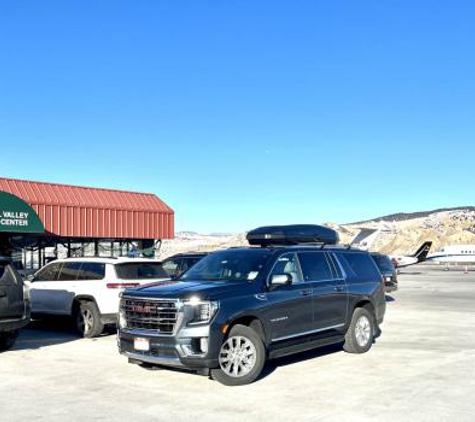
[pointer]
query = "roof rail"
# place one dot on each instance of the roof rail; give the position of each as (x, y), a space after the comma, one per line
(344, 246)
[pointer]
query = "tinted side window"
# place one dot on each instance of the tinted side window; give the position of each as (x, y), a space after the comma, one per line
(69, 271)
(92, 271)
(315, 266)
(361, 265)
(140, 271)
(383, 262)
(49, 273)
(188, 263)
(287, 264)
(172, 266)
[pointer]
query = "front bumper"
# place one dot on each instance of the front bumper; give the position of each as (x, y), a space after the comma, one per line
(180, 350)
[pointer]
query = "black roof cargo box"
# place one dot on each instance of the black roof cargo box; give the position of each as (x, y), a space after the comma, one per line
(295, 234)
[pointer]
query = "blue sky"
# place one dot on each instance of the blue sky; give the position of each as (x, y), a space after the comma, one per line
(244, 113)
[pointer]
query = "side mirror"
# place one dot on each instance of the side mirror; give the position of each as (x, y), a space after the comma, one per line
(281, 280)
(30, 278)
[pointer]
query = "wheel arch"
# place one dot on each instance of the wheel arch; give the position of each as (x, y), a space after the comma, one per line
(365, 303)
(251, 321)
(79, 299)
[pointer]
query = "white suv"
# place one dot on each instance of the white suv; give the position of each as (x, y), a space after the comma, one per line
(88, 289)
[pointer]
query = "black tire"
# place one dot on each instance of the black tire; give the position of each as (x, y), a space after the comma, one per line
(7, 339)
(249, 362)
(360, 335)
(87, 319)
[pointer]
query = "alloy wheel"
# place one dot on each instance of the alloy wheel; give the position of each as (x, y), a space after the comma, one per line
(237, 356)
(85, 321)
(363, 331)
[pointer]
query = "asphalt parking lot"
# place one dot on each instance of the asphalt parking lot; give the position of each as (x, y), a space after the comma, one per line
(422, 368)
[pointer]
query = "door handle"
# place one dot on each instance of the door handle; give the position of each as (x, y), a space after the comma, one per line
(338, 288)
(305, 292)
(2, 293)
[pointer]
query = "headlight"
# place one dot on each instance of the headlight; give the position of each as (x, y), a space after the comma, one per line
(200, 312)
(388, 279)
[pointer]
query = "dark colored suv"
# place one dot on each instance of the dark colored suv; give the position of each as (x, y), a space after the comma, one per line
(177, 264)
(239, 307)
(388, 271)
(14, 304)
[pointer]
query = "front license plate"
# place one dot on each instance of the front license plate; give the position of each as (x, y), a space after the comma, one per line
(142, 344)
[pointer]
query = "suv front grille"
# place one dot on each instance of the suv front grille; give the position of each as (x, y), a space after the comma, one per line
(150, 314)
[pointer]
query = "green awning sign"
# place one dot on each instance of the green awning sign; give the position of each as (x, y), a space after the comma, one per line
(16, 216)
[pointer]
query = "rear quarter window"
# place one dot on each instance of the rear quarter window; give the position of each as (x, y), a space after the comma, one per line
(140, 271)
(360, 266)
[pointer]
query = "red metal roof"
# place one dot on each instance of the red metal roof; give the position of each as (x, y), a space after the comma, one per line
(75, 211)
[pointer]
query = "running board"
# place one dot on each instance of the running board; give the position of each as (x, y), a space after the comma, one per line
(291, 347)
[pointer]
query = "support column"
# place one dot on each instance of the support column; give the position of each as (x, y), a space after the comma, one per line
(5, 245)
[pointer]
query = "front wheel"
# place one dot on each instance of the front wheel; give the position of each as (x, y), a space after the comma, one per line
(7, 340)
(241, 358)
(360, 334)
(88, 320)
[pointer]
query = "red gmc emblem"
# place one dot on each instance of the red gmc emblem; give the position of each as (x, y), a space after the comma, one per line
(143, 309)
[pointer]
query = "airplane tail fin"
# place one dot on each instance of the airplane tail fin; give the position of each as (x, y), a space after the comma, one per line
(423, 251)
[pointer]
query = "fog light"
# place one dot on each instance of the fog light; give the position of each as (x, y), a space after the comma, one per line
(204, 345)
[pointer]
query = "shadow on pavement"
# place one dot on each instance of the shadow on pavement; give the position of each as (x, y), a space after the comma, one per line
(409, 272)
(48, 332)
(275, 364)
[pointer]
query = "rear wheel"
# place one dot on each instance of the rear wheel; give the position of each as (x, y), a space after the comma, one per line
(241, 358)
(88, 320)
(360, 334)
(7, 339)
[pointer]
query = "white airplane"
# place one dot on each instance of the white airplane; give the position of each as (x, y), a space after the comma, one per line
(454, 254)
(366, 237)
(406, 260)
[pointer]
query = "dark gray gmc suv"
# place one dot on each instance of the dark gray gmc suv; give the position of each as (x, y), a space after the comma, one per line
(293, 291)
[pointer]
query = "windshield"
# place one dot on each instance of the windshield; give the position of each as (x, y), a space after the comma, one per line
(230, 265)
(383, 263)
(140, 271)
